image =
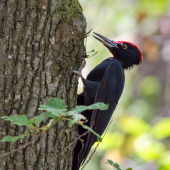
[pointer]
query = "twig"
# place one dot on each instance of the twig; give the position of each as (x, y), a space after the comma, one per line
(22, 147)
(90, 156)
(97, 145)
(66, 149)
(93, 54)
(53, 123)
(32, 139)
(87, 34)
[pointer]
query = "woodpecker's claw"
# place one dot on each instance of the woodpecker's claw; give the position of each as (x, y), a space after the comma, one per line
(77, 72)
(81, 68)
(80, 75)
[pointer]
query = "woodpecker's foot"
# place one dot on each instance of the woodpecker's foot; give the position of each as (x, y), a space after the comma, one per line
(80, 75)
(81, 68)
(77, 72)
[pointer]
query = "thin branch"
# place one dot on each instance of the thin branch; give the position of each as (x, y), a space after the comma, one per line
(32, 139)
(97, 145)
(90, 156)
(93, 54)
(53, 123)
(22, 147)
(66, 149)
(87, 34)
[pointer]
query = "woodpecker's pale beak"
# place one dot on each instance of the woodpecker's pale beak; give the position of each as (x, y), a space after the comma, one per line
(108, 43)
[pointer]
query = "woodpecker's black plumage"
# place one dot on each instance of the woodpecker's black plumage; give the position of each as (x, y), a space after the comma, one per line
(103, 84)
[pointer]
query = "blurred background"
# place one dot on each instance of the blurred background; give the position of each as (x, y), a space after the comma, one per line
(139, 135)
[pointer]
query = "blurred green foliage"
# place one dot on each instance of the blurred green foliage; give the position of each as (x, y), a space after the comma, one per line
(139, 136)
(115, 165)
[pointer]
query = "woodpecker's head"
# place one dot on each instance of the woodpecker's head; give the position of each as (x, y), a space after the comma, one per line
(126, 53)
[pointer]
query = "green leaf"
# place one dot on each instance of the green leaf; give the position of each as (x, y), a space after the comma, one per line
(12, 139)
(30, 123)
(110, 162)
(19, 120)
(49, 114)
(98, 105)
(88, 128)
(35, 120)
(55, 103)
(39, 119)
(79, 109)
(55, 112)
(115, 165)
(55, 106)
(27, 133)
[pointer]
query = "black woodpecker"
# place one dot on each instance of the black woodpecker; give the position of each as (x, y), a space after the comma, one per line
(103, 84)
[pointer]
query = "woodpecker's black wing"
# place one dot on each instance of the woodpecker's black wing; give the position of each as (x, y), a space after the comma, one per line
(98, 72)
(109, 92)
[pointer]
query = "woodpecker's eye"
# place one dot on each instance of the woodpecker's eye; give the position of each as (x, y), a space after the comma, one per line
(124, 46)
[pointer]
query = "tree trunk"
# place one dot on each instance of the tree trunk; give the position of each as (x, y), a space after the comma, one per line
(40, 43)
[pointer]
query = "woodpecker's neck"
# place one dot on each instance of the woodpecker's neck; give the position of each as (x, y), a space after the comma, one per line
(126, 63)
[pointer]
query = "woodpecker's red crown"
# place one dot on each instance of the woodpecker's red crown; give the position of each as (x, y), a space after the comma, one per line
(126, 53)
(140, 54)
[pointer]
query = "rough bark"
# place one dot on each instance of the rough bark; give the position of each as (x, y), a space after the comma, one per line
(41, 41)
